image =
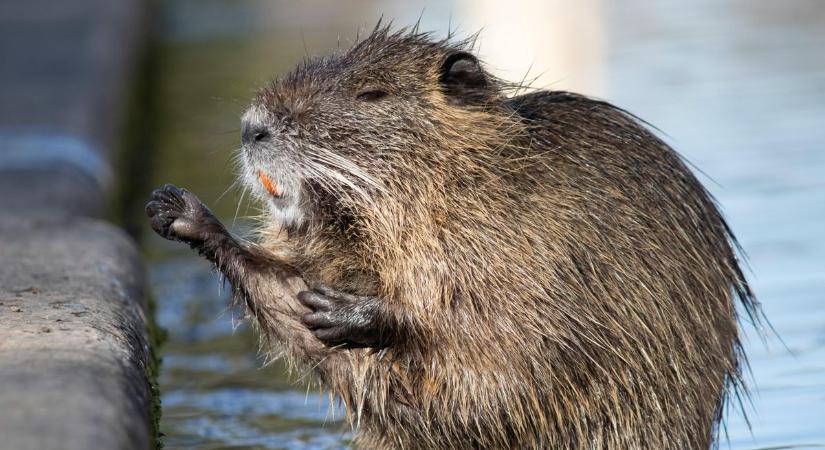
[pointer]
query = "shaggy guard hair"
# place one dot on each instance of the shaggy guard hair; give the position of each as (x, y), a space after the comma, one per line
(554, 274)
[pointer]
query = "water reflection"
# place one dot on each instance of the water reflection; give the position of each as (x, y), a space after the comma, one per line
(737, 85)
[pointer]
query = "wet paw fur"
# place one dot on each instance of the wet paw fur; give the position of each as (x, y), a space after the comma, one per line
(341, 319)
(177, 214)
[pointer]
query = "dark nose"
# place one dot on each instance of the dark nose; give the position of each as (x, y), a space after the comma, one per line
(253, 132)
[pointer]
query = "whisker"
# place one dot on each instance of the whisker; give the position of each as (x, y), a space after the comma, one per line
(238, 208)
(233, 185)
(346, 165)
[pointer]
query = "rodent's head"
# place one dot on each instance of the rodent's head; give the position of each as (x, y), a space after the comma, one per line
(386, 115)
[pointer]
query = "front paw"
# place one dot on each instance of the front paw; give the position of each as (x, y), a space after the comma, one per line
(340, 319)
(176, 214)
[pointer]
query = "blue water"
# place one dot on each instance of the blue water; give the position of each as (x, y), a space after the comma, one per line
(738, 87)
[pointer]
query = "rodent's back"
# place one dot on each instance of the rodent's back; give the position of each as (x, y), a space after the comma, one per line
(648, 267)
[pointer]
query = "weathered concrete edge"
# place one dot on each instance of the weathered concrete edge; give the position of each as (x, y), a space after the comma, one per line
(75, 358)
(75, 355)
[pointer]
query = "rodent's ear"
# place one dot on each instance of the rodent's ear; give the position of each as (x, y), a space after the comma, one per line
(463, 79)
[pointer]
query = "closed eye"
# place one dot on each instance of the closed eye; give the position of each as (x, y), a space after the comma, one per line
(371, 95)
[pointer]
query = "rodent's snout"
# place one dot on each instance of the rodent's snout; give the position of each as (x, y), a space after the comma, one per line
(254, 127)
(252, 133)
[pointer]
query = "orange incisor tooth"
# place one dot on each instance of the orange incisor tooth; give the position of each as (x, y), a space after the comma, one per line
(271, 187)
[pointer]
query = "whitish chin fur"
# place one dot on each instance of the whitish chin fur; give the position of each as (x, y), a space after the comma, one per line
(288, 215)
(285, 209)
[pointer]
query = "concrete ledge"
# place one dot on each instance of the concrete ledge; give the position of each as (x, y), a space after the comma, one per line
(73, 348)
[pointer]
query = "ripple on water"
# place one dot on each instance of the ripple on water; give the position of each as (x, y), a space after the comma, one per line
(216, 390)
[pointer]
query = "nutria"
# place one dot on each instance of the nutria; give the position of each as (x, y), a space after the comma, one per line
(488, 270)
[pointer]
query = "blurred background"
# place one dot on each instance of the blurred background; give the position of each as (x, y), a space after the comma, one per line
(736, 86)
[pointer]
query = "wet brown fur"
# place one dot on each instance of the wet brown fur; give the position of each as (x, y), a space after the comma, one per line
(556, 276)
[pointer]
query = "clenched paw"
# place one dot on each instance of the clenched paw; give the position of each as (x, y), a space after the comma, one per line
(340, 319)
(176, 214)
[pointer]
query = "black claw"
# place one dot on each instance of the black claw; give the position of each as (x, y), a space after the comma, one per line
(318, 320)
(151, 208)
(315, 301)
(325, 290)
(333, 337)
(340, 297)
